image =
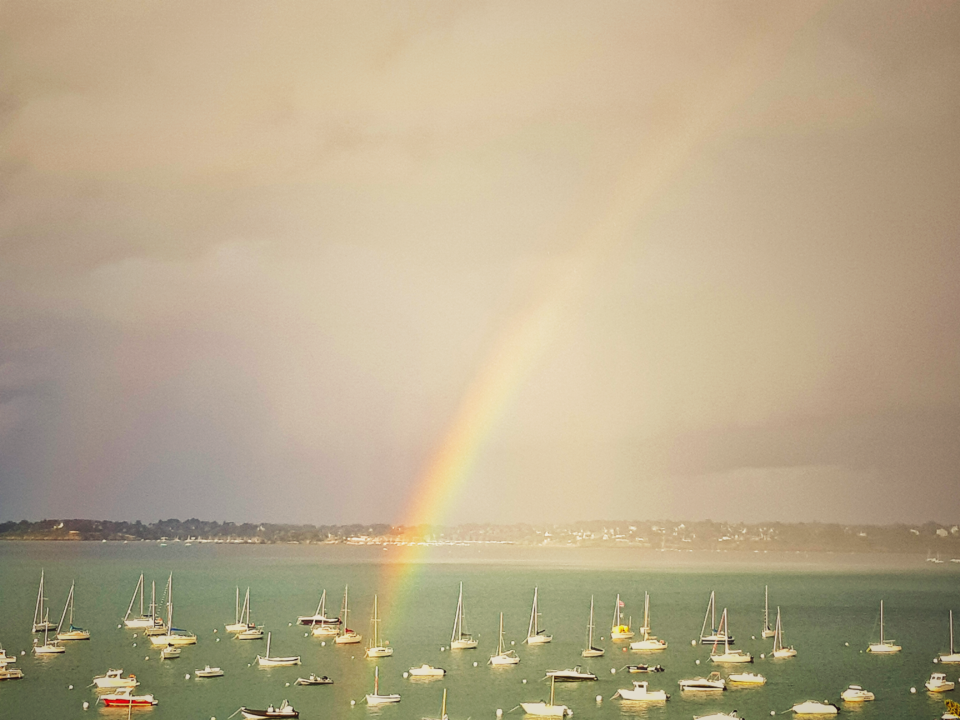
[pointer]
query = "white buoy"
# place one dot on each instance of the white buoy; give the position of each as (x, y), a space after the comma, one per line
(693, 642)
(306, 634)
(599, 699)
(513, 642)
(187, 676)
(753, 637)
(762, 656)
(287, 685)
(846, 644)
(323, 643)
(352, 703)
(474, 663)
(698, 662)
(134, 644)
(442, 648)
(773, 713)
(134, 634)
(499, 713)
(913, 690)
(69, 687)
(289, 624)
(524, 681)
(86, 705)
(613, 671)
(147, 657)
(406, 675)
(218, 639)
(118, 627)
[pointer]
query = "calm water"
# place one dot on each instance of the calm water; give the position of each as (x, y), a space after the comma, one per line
(826, 603)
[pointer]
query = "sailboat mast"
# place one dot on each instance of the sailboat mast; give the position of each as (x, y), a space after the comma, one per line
(532, 629)
(71, 601)
(322, 607)
(951, 632)
(458, 620)
(153, 600)
(346, 612)
(766, 607)
(646, 613)
(39, 608)
(170, 603)
(500, 640)
(881, 622)
(236, 609)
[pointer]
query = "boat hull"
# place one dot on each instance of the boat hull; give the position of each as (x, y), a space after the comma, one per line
(379, 652)
(174, 639)
(382, 699)
(504, 660)
(277, 662)
(254, 714)
(464, 645)
(884, 648)
(648, 645)
(539, 639)
(592, 653)
(349, 639)
(546, 710)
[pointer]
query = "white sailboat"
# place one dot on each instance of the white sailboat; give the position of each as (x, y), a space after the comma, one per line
(378, 646)
(619, 631)
(767, 632)
(952, 657)
(728, 655)
(715, 636)
(884, 646)
(503, 656)
(590, 650)
(251, 630)
(237, 625)
(536, 636)
(376, 698)
(40, 622)
(346, 636)
(779, 651)
(461, 639)
(268, 661)
(649, 642)
(49, 647)
(72, 632)
(142, 620)
(322, 625)
(158, 627)
(173, 635)
(547, 709)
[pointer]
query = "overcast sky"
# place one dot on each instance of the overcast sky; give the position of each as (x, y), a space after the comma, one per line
(254, 256)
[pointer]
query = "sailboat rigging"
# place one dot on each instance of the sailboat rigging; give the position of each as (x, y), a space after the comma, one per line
(779, 651)
(461, 639)
(73, 632)
(378, 647)
(536, 636)
(590, 650)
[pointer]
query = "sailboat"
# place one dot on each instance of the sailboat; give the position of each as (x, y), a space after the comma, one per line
(536, 636)
(322, 625)
(728, 655)
(503, 657)
(461, 639)
(715, 636)
(550, 709)
(443, 708)
(649, 642)
(590, 650)
(142, 620)
(884, 646)
(346, 636)
(49, 647)
(173, 635)
(767, 632)
(779, 651)
(267, 661)
(40, 623)
(251, 631)
(159, 627)
(376, 698)
(74, 632)
(320, 616)
(953, 657)
(237, 625)
(619, 631)
(378, 647)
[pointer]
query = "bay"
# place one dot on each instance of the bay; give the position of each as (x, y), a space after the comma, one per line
(830, 610)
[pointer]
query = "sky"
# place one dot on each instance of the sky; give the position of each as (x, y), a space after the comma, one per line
(558, 261)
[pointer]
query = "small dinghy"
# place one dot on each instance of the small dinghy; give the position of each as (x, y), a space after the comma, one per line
(644, 668)
(571, 675)
(285, 710)
(314, 680)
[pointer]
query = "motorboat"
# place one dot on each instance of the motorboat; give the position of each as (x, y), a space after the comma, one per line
(173, 635)
(779, 651)
(591, 650)
(547, 709)
(208, 672)
(10, 673)
(536, 636)
(170, 652)
(426, 671)
(641, 693)
(461, 639)
(346, 636)
(644, 668)
(378, 647)
(314, 680)
(713, 681)
(951, 657)
(72, 632)
(575, 674)
(728, 655)
(767, 631)
(376, 698)
(503, 656)
(268, 661)
(884, 646)
(285, 710)
(715, 635)
(618, 629)
(114, 679)
(812, 707)
(855, 694)
(124, 697)
(320, 616)
(649, 642)
(938, 683)
(746, 678)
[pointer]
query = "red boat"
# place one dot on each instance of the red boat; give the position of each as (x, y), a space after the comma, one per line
(124, 697)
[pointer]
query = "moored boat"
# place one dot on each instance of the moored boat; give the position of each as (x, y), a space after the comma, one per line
(855, 694)
(746, 679)
(884, 646)
(378, 647)
(320, 616)
(124, 697)
(618, 629)
(346, 636)
(713, 681)
(547, 709)
(951, 657)
(114, 679)
(10, 673)
(641, 692)
(426, 671)
(208, 672)
(644, 668)
(728, 655)
(376, 698)
(285, 710)
(503, 656)
(591, 651)
(268, 661)
(714, 636)
(314, 680)
(72, 632)
(812, 707)
(938, 683)
(575, 674)
(536, 636)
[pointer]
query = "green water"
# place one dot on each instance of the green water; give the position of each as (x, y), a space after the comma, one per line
(826, 603)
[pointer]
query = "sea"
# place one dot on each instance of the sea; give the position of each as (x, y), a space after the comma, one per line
(829, 604)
